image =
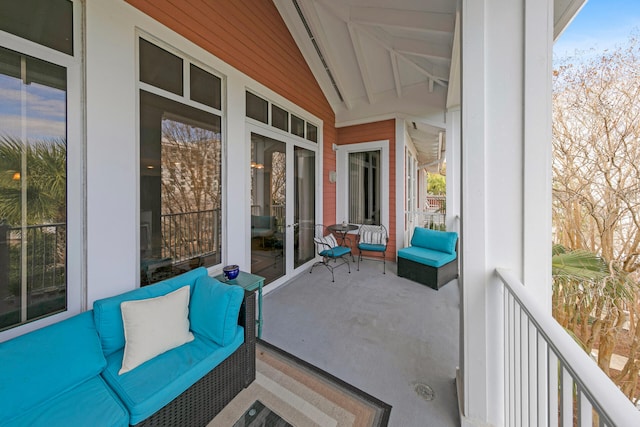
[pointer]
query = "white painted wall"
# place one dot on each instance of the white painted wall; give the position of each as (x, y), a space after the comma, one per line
(112, 146)
(504, 199)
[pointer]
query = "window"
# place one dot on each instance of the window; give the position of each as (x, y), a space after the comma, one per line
(297, 126)
(364, 187)
(180, 175)
(35, 133)
(279, 118)
(46, 22)
(362, 191)
(258, 109)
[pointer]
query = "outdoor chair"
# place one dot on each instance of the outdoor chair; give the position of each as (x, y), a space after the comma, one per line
(329, 250)
(373, 238)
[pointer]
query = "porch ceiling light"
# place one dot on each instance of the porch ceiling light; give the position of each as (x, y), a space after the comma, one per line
(16, 176)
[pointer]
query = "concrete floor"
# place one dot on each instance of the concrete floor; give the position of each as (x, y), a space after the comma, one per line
(381, 333)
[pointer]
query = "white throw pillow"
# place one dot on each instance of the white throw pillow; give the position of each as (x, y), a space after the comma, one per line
(153, 326)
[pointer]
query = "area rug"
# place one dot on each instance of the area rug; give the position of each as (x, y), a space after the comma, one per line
(303, 395)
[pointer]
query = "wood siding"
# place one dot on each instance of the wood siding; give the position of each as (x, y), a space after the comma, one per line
(377, 131)
(252, 37)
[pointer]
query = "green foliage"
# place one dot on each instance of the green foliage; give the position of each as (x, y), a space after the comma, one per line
(435, 226)
(45, 180)
(436, 184)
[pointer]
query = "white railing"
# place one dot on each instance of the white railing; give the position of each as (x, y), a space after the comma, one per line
(549, 379)
(413, 219)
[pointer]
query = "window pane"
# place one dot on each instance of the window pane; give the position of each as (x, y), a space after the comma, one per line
(160, 68)
(46, 22)
(312, 133)
(257, 108)
(364, 187)
(297, 126)
(33, 170)
(304, 208)
(279, 118)
(268, 207)
(180, 188)
(205, 87)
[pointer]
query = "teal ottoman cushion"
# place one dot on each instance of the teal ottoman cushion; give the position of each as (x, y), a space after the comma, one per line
(426, 256)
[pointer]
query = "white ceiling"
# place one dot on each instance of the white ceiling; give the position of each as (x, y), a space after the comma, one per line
(386, 58)
(380, 59)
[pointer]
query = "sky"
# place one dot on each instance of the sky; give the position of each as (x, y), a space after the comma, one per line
(600, 25)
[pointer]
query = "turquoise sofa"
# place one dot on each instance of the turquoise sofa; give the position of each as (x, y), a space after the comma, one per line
(66, 374)
(432, 258)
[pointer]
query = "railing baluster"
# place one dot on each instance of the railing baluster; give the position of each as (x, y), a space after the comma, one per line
(517, 369)
(567, 397)
(585, 414)
(505, 338)
(554, 388)
(532, 376)
(524, 367)
(512, 361)
(542, 383)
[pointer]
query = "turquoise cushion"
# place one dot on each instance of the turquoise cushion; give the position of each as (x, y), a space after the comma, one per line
(444, 241)
(47, 362)
(158, 381)
(426, 256)
(371, 247)
(108, 316)
(214, 309)
(336, 252)
(91, 403)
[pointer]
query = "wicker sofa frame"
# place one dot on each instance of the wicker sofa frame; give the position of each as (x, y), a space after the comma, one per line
(201, 402)
(433, 277)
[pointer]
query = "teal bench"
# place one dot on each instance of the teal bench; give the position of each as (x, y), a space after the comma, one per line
(432, 258)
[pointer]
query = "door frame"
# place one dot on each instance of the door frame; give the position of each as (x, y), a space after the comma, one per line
(290, 141)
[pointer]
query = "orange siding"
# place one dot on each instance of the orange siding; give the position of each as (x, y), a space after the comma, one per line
(376, 132)
(252, 37)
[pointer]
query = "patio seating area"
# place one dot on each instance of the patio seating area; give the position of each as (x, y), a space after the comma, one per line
(393, 338)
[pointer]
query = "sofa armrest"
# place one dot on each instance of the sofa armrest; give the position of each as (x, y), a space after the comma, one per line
(247, 317)
(247, 320)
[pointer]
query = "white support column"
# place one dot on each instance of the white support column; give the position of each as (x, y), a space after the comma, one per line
(505, 181)
(473, 264)
(537, 148)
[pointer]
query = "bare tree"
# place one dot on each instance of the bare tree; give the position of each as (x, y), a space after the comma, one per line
(596, 206)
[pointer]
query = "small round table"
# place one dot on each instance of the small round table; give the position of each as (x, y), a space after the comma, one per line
(341, 230)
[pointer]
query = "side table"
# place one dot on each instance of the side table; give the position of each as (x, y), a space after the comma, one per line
(249, 282)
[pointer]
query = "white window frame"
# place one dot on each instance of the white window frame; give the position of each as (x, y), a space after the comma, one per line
(342, 182)
(76, 292)
(184, 99)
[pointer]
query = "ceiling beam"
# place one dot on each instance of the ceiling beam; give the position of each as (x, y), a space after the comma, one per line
(375, 35)
(361, 60)
(403, 19)
(421, 48)
(396, 73)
